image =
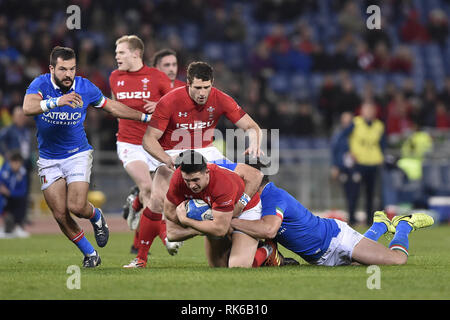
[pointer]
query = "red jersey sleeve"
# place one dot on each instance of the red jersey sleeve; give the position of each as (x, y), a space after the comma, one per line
(230, 107)
(174, 194)
(165, 85)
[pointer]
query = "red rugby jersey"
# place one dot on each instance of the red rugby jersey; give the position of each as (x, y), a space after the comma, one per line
(177, 83)
(188, 125)
(131, 88)
(225, 188)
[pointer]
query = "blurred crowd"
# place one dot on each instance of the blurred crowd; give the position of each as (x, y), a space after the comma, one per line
(296, 65)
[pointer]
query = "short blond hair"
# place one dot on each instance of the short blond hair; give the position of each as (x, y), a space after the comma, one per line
(134, 43)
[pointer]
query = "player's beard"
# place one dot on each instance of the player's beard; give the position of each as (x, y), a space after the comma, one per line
(61, 85)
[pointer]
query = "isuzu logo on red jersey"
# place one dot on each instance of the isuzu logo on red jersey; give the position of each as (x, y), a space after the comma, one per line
(195, 125)
(133, 95)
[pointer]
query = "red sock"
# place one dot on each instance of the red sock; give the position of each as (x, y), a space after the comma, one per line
(148, 230)
(136, 239)
(137, 205)
(162, 231)
(260, 257)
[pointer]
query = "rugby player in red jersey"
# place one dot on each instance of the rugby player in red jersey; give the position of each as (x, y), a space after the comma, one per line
(222, 189)
(185, 118)
(139, 87)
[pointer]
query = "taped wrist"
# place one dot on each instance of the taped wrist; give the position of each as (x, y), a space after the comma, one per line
(245, 199)
(49, 104)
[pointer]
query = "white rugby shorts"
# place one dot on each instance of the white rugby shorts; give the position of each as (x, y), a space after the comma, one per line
(210, 153)
(340, 251)
(75, 168)
(128, 152)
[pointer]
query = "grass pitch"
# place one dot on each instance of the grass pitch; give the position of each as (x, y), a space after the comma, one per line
(36, 268)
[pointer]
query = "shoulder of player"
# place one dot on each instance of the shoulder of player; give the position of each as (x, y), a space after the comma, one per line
(152, 71)
(222, 98)
(173, 95)
(178, 83)
(221, 174)
(270, 189)
(220, 94)
(43, 78)
(83, 83)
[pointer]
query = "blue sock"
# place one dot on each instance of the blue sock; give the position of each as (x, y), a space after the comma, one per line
(401, 241)
(83, 244)
(95, 216)
(376, 231)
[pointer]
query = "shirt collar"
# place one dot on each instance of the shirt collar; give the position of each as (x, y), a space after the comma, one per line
(55, 86)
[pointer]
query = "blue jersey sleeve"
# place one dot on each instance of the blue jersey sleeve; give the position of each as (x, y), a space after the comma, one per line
(35, 87)
(273, 204)
(225, 163)
(96, 97)
(276, 208)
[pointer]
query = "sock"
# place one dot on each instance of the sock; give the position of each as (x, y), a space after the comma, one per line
(136, 239)
(376, 231)
(137, 205)
(148, 229)
(400, 241)
(83, 244)
(95, 215)
(260, 256)
(162, 232)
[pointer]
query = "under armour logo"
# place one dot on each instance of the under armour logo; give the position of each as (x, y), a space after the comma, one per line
(120, 83)
(182, 114)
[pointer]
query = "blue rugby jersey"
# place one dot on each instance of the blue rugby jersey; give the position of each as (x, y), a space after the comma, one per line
(60, 131)
(301, 231)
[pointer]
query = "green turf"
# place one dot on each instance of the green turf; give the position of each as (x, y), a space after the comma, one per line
(35, 268)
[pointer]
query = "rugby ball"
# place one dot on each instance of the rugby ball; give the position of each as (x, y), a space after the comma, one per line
(198, 209)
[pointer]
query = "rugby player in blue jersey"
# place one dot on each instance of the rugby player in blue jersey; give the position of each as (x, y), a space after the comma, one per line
(58, 101)
(327, 242)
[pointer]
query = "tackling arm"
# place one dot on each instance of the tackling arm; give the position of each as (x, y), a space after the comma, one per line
(252, 178)
(265, 228)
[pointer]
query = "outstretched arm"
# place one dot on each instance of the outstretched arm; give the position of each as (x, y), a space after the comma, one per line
(119, 110)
